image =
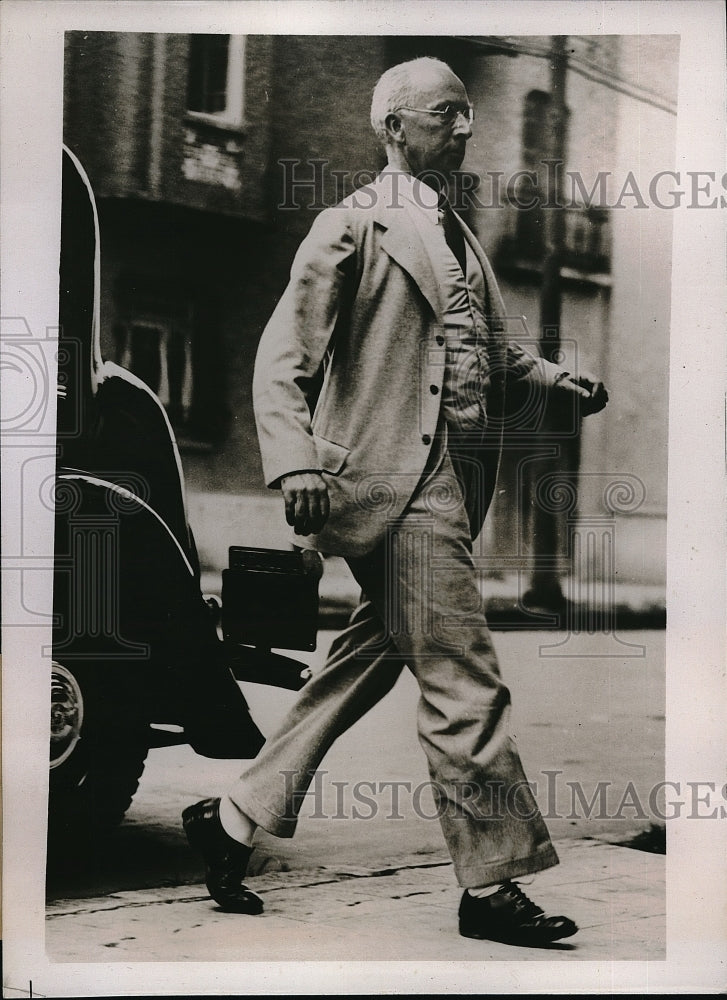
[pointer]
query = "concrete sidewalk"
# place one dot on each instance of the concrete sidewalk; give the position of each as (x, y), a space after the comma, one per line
(406, 911)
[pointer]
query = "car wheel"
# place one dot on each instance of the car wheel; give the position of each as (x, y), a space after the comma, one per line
(98, 746)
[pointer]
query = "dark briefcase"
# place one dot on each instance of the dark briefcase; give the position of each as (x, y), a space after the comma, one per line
(270, 598)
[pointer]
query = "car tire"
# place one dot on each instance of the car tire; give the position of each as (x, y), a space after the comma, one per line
(98, 747)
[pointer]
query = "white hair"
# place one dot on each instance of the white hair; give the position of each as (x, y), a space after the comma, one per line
(395, 87)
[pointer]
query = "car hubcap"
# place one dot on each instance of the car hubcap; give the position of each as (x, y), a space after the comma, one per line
(66, 714)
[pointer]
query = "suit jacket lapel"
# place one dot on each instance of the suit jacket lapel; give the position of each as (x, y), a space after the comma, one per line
(403, 243)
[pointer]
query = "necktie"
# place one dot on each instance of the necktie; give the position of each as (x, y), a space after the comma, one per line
(453, 235)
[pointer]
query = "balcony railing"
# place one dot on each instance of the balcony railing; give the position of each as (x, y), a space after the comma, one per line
(587, 241)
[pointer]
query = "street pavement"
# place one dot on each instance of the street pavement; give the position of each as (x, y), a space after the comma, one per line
(367, 877)
(404, 910)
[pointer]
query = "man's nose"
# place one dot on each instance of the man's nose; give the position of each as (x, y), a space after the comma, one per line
(462, 125)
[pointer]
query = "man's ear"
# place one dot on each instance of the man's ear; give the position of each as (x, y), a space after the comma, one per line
(394, 127)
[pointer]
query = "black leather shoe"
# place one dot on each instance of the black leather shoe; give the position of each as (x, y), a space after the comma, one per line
(509, 916)
(225, 859)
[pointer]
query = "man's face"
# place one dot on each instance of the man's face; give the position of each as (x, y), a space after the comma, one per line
(431, 144)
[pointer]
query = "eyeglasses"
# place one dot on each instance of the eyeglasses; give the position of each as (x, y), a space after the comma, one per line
(448, 115)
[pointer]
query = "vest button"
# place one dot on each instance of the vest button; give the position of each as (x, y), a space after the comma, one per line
(434, 389)
(426, 439)
(440, 341)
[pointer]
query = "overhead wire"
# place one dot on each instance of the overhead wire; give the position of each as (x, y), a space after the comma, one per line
(587, 68)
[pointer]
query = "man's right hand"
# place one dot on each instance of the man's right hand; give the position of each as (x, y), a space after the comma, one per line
(306, 501)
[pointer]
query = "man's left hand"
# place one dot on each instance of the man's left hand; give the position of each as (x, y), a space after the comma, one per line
(592, 393)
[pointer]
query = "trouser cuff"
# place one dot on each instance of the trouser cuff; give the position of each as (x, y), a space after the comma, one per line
(476, 876)
(278, 826)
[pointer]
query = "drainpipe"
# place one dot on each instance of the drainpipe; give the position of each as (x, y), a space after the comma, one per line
(545, 586)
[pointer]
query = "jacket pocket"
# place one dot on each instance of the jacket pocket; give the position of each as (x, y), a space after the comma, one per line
(332, 456)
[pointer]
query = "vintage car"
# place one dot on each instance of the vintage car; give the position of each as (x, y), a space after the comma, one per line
(140, 657)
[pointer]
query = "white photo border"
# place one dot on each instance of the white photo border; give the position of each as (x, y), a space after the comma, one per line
(31, 75)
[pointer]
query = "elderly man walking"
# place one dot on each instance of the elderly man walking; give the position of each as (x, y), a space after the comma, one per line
(380, 389)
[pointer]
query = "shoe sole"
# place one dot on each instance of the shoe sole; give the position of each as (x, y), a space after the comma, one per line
(522, 942)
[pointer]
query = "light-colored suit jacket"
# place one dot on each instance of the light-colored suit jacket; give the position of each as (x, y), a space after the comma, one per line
(350, 367)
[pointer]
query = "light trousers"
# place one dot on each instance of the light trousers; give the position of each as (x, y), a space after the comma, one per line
(421, 608)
